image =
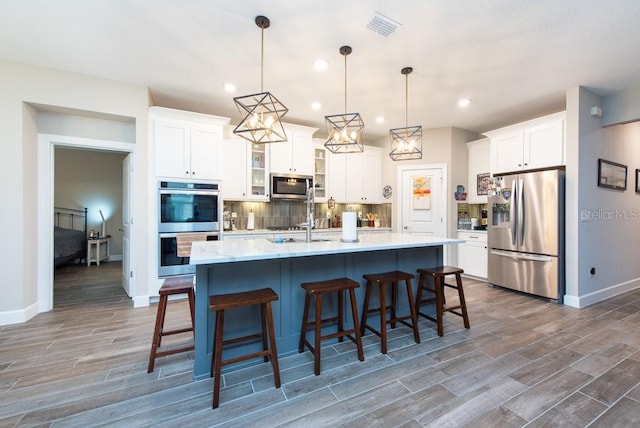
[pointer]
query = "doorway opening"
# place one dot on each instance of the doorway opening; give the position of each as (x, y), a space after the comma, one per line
(47, 147)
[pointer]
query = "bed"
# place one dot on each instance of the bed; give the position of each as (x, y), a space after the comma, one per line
(69, 235)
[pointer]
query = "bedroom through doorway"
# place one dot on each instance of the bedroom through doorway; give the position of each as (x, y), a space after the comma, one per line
(84, 173)
(88, 180)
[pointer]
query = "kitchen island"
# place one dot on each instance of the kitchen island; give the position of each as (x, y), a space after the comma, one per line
(230, 266)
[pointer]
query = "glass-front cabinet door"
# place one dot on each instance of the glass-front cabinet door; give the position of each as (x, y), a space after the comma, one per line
(320, 179)
(259, 173)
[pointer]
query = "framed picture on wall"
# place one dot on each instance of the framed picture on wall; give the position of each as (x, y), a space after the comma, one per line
(483, 183)
(612, 175)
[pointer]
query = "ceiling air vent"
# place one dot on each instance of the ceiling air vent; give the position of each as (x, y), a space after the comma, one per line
(382, 25)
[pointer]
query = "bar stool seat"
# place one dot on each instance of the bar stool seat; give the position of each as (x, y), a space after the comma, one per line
(438, 274)
(219, 304)
(317, 290)
(171, 286)
(382, 280)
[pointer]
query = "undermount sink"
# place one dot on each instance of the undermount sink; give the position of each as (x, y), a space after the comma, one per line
(292, 240)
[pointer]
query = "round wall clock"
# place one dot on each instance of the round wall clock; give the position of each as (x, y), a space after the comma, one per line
(386, 191)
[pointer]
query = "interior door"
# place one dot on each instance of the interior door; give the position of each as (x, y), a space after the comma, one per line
(127, 171)
(423, 202)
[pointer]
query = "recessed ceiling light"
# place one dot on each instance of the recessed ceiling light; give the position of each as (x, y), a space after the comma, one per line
(464, 102)
(316, 105)
(320, 64)
(229, 87)
(380, 119)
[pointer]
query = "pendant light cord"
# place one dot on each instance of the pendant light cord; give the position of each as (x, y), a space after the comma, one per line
(406, 101)
(345, 84)
(261, 59)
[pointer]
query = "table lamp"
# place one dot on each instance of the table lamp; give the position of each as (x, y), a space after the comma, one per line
(103, 230)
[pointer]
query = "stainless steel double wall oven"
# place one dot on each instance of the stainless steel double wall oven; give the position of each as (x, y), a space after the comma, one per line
(185, 208)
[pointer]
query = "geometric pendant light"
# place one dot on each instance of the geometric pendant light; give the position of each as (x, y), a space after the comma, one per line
(406, 143)
(344, 130)
(261, 113)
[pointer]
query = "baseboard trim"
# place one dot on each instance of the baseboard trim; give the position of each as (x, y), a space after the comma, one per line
(140, 301)
(589, 299)
(19, 316)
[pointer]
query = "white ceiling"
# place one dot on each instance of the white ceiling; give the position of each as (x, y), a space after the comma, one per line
(514, 59)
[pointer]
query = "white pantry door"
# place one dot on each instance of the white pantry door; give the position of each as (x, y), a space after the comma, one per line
(423, 202)
(127, 171)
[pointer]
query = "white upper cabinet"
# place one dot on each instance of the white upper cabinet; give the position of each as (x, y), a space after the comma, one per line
(479, 163)
(337, 176)
(186, 144)
(245, 170)
(538, 143)
(356, 177)
(296, 155)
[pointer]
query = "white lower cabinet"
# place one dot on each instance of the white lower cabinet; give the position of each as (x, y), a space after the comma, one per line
(472, 255)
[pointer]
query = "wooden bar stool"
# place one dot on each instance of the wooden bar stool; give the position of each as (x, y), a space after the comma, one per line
(382, 280)
(438, 274)
(170, 286)
(316, 290)
(221, 302)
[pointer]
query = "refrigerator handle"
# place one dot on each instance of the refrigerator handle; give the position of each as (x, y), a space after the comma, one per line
(522, 256)
(512, 214)
(521, 212)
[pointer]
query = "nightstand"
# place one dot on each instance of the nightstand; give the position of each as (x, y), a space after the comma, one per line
(98, 249)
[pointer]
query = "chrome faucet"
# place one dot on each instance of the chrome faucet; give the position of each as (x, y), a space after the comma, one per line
(311, 196)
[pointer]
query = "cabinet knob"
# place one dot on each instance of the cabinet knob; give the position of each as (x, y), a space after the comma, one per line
(186, 172)
(406, 227)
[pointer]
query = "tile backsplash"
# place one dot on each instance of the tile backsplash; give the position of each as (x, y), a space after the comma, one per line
(283, 213)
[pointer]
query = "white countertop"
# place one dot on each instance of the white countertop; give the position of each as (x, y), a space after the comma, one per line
(473, 230)
(331, 230)
(226, 251)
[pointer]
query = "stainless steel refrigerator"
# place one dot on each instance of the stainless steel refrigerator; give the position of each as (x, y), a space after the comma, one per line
(526, 233)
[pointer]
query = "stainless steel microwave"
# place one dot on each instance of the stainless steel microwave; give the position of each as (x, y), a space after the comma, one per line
(290, 186)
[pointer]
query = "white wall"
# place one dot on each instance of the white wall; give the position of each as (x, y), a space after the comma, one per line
(24, 90)
(603, 225)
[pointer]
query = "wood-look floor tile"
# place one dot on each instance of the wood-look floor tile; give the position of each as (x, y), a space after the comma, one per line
(285, 411)
(463, 410)
(84, 364)
(420, 379)
(615, 382)
(343, 412)
(602, 360)
(331, 377)
(402, 410)
(547, 345)
(483, 374)
(353, 386)
(623, 414)
(547, 393)
(546, 366)
(92, 396)
(576, 411)
(174, 402)
(457, 349)
(228, 410)
(511, 344)
(497, 417)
